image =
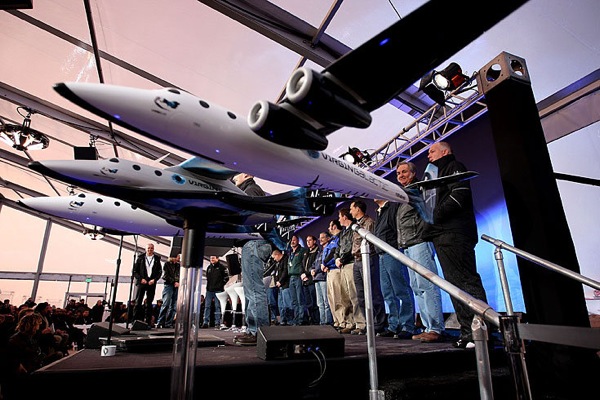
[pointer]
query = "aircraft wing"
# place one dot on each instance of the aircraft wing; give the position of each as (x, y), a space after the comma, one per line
(204, 167)
(366, 78)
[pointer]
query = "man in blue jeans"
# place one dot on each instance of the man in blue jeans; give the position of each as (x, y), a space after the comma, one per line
(169, 293)
(411, 222)
(216, 277)
(393, 276)
(255, 253)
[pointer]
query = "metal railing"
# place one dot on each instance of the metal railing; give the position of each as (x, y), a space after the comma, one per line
(513, 332)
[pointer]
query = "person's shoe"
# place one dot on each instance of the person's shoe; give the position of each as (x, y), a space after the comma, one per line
(204, 326)
(346, 330)
(359, 331)
(403, 335)
(223, 327)
(386, 333)
(429, 337)
(246, 339)
(418, 337)
(464, 343)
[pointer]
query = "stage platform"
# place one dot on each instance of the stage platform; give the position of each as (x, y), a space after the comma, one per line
(406, 369)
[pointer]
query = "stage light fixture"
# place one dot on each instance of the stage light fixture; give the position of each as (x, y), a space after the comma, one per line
(356, 156)
(23, 137)
(436, 83)
(449, 78)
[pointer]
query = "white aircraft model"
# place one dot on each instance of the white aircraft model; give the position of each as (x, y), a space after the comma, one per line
(156, 201)
(117, 217)
(113, 215)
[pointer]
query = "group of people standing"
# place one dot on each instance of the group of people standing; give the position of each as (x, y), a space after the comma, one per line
(323, 283)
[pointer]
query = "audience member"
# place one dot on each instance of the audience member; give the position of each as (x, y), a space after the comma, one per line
(216, 278)
(358, 209)
(156, 311)
(24, 352)
(147, 270)
(411, 219)
(393, 276)
(97, 311)
(454, 236)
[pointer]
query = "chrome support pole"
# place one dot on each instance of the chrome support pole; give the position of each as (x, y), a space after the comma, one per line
(482, 356)
(188, 311)
(374, 392)
(513, 344)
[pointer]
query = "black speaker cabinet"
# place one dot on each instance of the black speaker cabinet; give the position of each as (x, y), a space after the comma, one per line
(100, 329)
(295, 342)
(139, 326)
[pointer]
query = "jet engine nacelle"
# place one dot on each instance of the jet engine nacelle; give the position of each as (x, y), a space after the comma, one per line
(324, 100)
(278, 124)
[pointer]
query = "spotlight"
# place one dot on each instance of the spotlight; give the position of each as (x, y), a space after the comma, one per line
(23, 137)
(356, 156)
(449, 78)
(435, 83)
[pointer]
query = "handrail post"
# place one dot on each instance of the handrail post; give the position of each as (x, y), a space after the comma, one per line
(484, 373)
(513, 345)
(515, 350)
(374, 392)
(503, 280)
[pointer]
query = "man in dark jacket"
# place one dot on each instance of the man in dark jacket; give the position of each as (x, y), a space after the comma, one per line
(393, 276)
(311, 312)
(216, 277)
(454, 235)
(147, 270)
(170, 291)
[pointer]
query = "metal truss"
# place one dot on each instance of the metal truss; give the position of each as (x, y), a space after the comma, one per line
(462, 106)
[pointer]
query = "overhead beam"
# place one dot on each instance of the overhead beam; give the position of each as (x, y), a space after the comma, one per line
(299, 36)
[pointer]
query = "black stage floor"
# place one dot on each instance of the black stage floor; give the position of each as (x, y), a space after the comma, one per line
(406, 369)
